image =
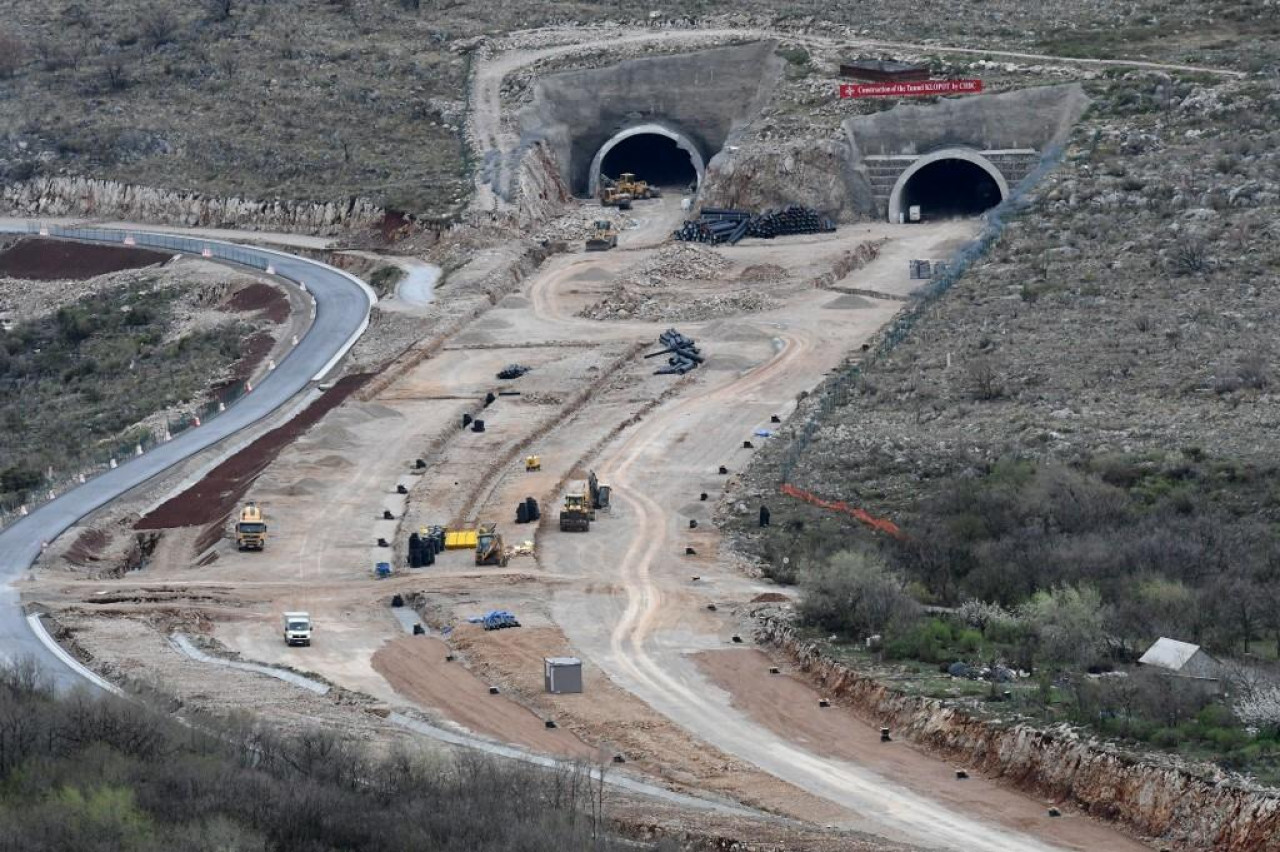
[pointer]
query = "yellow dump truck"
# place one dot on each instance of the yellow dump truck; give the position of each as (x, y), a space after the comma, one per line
(251, 529)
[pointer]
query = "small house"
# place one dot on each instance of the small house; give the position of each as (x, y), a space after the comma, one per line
(1181, 658)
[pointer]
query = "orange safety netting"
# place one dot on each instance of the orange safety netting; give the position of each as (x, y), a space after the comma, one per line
(882, 524)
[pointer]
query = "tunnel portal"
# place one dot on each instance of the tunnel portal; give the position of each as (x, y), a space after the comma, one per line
(947, 184)
(947, 189)
(654, 158)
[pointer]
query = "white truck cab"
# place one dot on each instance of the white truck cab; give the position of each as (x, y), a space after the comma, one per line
(297, 628)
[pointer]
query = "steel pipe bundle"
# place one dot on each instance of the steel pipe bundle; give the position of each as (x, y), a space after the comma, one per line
(684, 354)
(721, 225)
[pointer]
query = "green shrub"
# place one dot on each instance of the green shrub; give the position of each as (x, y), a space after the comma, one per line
(969, 641)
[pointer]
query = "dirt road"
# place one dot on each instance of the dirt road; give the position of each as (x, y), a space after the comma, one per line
(625, 597)
(643, 634)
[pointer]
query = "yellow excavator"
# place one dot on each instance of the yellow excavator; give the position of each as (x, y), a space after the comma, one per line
(490, 548)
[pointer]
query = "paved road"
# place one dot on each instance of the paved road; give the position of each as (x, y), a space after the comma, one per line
(342, 313)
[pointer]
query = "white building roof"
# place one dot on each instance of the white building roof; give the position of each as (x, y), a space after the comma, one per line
(1169, 654)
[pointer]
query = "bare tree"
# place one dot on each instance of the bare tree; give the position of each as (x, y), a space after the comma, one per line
(113, 71)
(984, 380)
(159, 25)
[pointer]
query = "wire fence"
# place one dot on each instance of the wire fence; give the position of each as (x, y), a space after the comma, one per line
(839, 388)
(111, 453)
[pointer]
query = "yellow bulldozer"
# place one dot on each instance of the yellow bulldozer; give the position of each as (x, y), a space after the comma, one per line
(603, 238)
(582, 498)
(576, 515)
(637, 189)
(611, 196)
(490, 548)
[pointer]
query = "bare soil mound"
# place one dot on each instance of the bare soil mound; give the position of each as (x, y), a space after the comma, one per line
(210, 499)
(261, 297)
(53, 260)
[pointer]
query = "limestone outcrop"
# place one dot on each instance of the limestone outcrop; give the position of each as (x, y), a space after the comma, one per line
(106, 199)
(1178, 806)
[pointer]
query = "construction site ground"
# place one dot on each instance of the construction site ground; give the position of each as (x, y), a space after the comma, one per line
(665, 686)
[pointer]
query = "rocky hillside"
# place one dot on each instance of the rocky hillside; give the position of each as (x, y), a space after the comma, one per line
(346, 99)
(1130, 309)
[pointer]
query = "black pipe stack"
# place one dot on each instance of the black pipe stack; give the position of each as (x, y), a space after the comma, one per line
(720, 225)
(424, 545)
(685, 356)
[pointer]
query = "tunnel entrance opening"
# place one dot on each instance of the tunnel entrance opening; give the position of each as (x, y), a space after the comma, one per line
(950, 188)
(654, 158)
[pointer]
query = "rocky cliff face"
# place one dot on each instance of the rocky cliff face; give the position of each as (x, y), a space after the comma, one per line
(1181, 809)
(759, 175)
(104, 199)
(541, 193)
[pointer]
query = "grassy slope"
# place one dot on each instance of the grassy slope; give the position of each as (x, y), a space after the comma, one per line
(77, 378)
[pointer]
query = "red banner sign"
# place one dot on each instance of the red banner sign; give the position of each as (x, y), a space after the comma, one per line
(908, 90)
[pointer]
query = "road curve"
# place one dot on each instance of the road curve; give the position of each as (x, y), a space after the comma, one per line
(342, 304)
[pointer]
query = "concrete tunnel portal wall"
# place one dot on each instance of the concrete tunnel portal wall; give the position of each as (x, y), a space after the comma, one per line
(900, 197)
(683, 143)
